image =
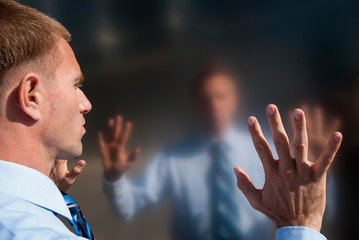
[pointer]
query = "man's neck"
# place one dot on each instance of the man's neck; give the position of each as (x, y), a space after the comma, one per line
(220, 133)
(17, 148)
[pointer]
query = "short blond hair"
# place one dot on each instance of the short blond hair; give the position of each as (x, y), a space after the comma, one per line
(27, 36)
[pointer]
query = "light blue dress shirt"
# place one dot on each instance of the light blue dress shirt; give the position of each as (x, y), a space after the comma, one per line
(180, 173)
(298, 233)
(28, 200)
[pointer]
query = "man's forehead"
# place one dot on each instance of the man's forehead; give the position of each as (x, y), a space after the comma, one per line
(222, 76)
(220, 80)
(68, 60)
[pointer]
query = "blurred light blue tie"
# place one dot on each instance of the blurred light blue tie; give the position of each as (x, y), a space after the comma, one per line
(223, 203)
(78, 221)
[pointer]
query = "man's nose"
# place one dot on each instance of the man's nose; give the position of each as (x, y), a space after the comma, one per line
(85, 105)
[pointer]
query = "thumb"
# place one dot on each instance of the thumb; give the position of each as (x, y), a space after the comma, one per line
(247, 187)
(76, 170)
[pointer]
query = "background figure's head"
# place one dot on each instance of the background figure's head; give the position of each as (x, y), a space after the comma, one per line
(215, 97)
(41, 106)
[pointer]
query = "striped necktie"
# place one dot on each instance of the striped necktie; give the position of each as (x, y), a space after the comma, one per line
(78, 221)
(224, 206)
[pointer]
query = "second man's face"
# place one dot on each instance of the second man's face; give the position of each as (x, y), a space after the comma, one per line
(216, 102)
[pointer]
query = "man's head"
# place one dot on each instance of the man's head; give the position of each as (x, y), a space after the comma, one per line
(41, 106)
(26, 37)
(214, 94)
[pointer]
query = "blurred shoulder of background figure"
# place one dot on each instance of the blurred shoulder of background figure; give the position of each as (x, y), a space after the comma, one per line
(196, 174)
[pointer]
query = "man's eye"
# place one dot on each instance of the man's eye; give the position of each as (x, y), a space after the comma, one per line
(79, 85)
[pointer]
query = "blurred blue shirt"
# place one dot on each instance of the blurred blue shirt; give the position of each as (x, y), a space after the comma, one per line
(180, 173)
(28, 200)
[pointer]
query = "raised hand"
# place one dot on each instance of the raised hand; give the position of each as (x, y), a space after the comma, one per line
(62, 177)
(115, 159)
(295, 188)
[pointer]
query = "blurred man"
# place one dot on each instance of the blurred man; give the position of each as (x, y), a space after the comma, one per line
(195, 174)
(41, 119)
(294, 189)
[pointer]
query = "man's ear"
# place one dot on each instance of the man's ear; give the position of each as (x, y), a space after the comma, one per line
(29, 95)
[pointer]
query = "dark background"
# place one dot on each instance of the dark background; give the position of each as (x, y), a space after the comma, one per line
(138, 58)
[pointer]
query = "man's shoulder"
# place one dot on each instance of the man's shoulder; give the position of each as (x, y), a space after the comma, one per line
(14, 209)
(10, 203)
(15, 206)
(20, 219)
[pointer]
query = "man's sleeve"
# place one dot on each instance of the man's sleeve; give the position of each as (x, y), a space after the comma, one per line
(128, 197)
(298, 233)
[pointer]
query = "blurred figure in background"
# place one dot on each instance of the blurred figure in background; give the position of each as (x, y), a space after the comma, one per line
(197, 173)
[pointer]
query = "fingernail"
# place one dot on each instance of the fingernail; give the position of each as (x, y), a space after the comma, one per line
(250, 121)
(81, 164)
(236, 171)
(337, 137)
(297, 115)
(270, 110)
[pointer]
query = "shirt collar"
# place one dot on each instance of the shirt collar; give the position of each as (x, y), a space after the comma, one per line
(230, 139)
(32, 186)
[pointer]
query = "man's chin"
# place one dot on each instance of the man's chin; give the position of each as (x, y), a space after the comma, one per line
(72, 153)
(78, 154)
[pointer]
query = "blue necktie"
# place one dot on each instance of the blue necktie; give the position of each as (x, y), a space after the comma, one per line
(223, 203)
(78, 221)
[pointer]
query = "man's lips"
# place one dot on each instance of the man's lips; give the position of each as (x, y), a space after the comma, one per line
(83, 127)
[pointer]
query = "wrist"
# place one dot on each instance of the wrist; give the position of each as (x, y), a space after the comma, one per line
(313, 222)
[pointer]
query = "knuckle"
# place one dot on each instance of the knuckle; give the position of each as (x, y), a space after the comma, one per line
(260, 148)
(287, 175)
(327, 158)
(299, 147)
(76, 171)
(280, 140)
(327, 154)
(256, 131)
(333, 147)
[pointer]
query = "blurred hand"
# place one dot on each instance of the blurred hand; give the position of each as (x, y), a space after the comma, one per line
(295, 188)
(62, 177)
(319, 129)
(114, 157)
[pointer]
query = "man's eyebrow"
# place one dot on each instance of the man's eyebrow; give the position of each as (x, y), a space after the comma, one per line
(80, 79)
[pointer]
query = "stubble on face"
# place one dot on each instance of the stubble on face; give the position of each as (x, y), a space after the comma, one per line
(63, 122)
